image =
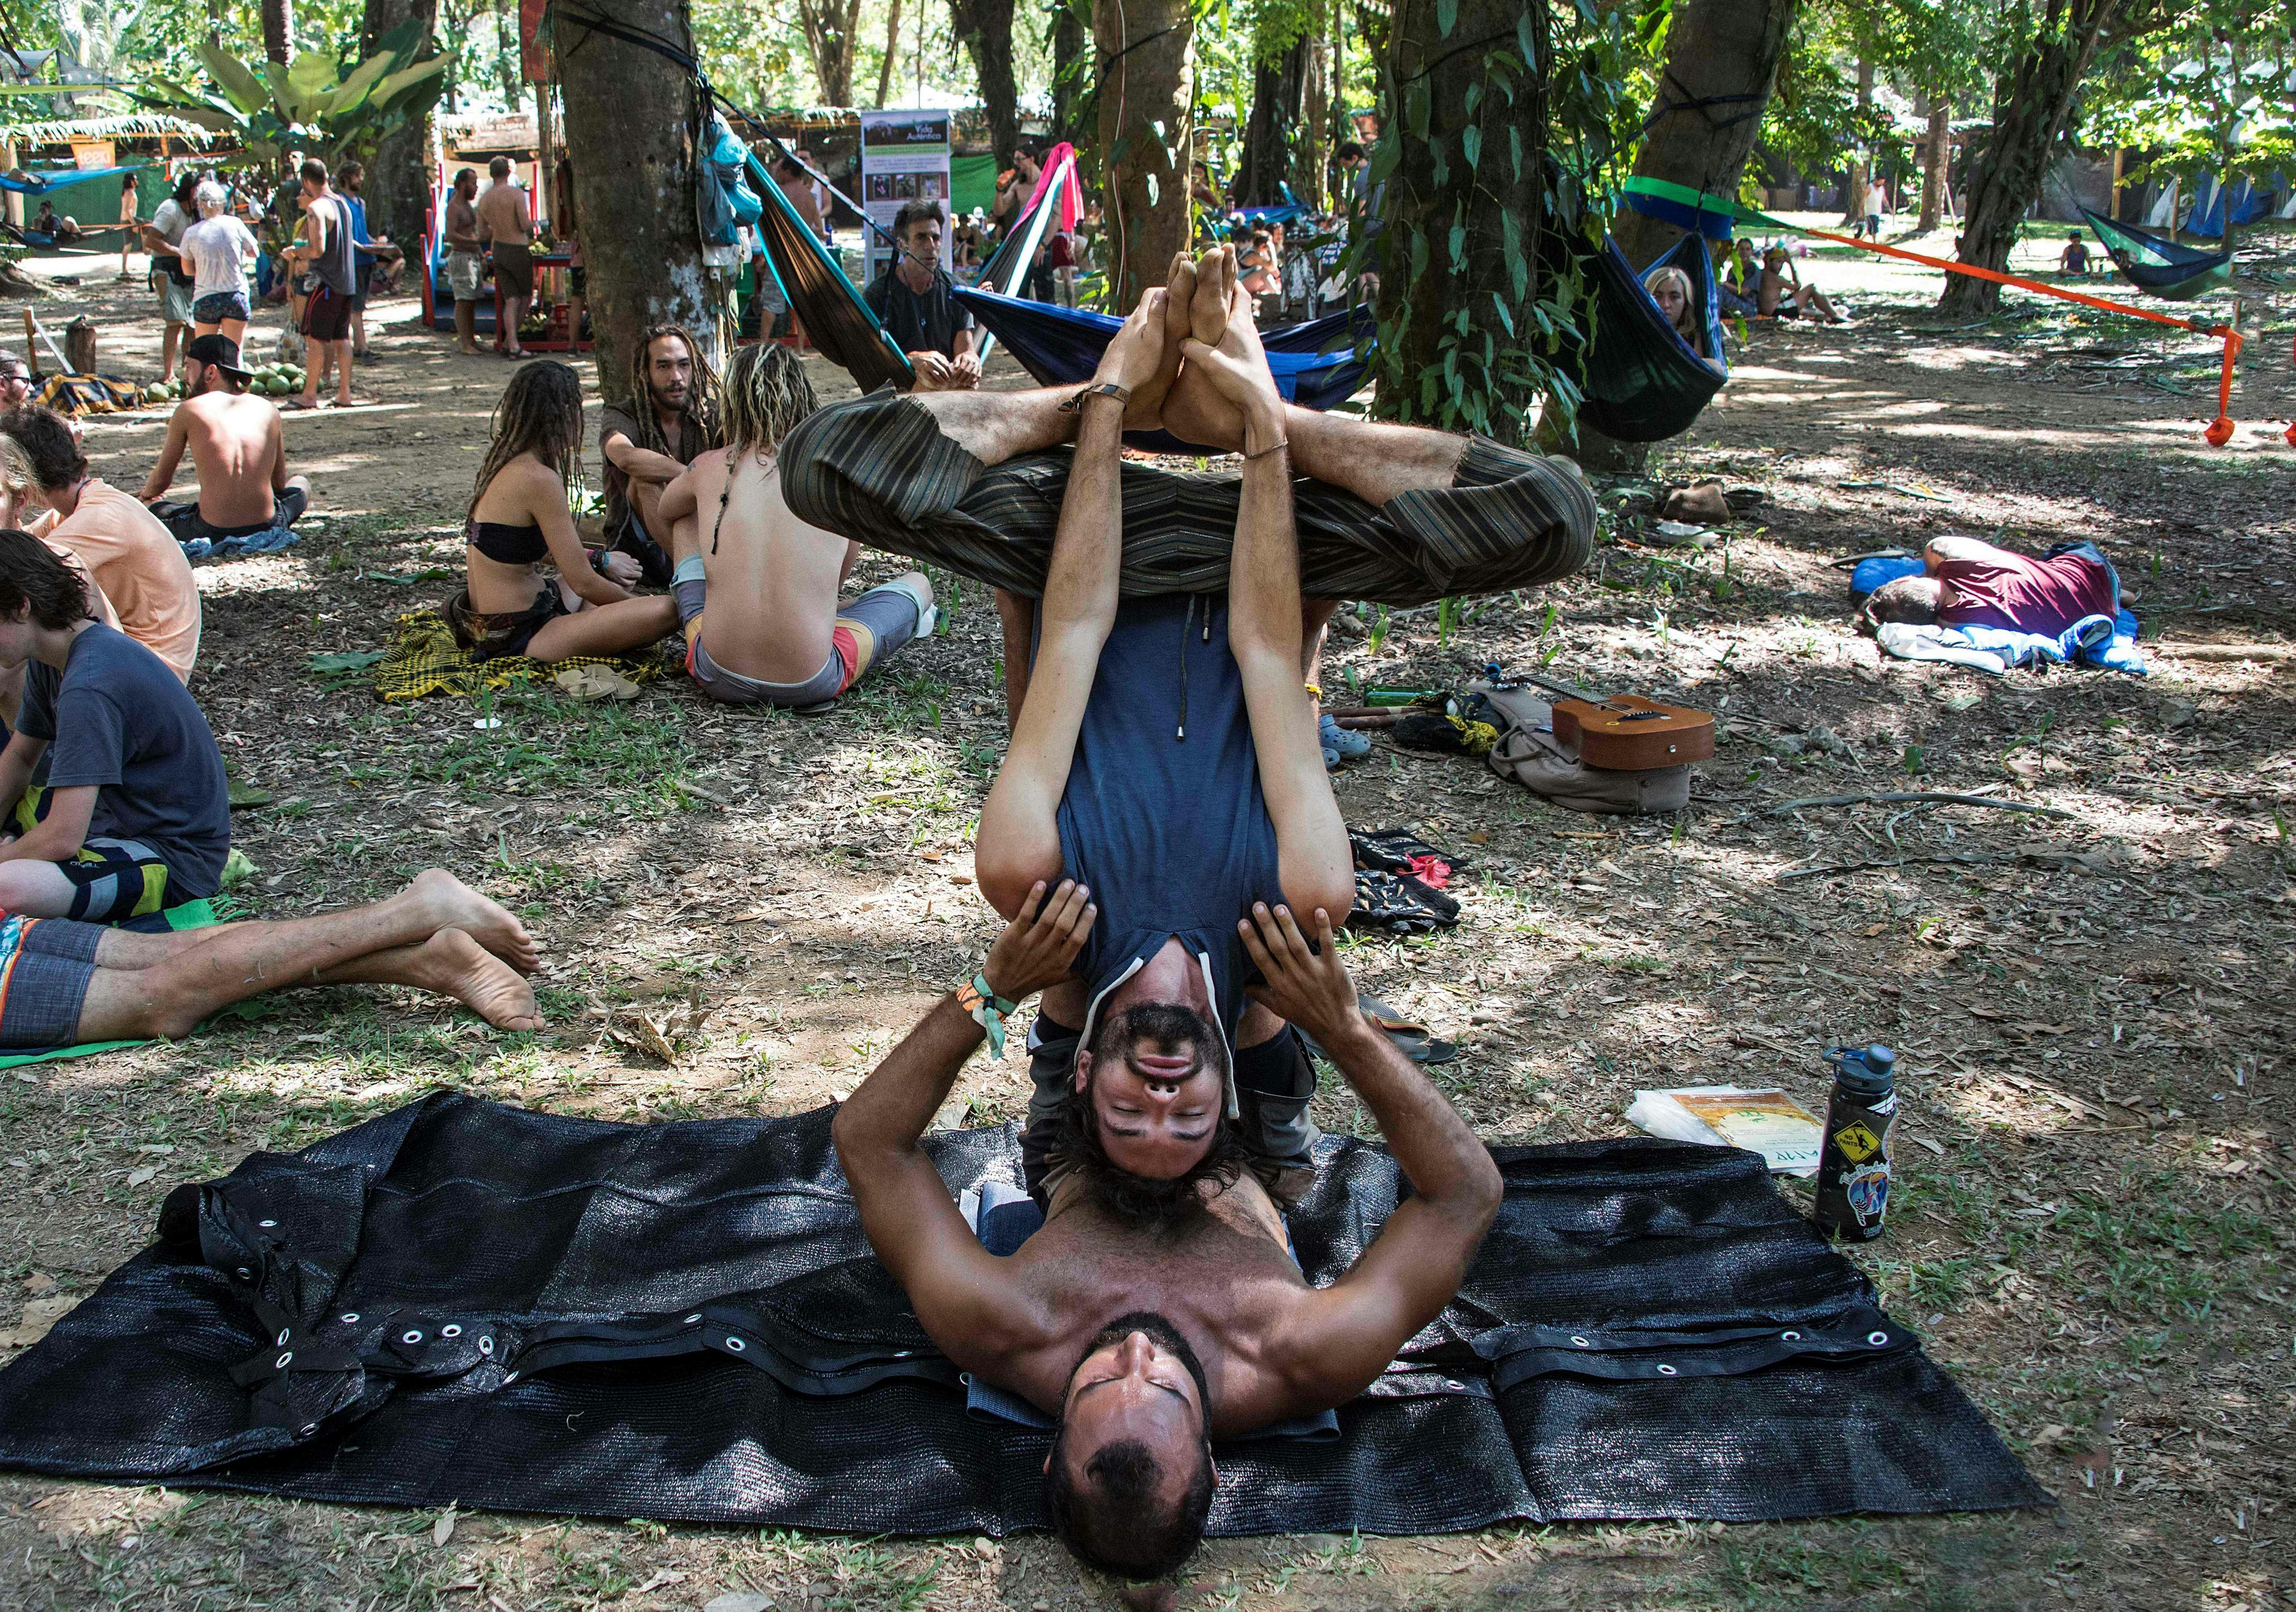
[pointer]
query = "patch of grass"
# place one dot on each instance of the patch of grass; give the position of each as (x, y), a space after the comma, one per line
(548, 743)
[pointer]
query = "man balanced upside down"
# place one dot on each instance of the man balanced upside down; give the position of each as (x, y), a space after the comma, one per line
(1162, 814)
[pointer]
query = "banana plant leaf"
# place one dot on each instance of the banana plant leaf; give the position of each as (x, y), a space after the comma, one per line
(354, 90)
(240, 87)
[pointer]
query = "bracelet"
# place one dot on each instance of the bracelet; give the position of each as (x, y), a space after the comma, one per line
(988, 1010)
(1276, 446)
(1105, 389)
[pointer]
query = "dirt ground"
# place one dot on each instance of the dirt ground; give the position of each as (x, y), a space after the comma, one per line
(2092, 1004)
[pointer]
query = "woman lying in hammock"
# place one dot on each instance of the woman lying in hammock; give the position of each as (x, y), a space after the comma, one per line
(1669, 288)
(518, 518)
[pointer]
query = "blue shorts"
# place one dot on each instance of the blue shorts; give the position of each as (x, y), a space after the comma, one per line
(46, 967)
(217, 306)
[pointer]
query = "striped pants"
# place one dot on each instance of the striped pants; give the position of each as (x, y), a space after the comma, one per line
(878, 470)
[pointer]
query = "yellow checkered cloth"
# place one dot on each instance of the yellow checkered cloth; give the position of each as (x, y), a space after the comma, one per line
(422, 658)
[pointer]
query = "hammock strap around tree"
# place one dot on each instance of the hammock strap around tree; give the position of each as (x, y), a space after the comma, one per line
(2221, 428)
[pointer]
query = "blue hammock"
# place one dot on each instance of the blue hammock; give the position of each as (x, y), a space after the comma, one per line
(1641, 381)
(2154, 263)
(1316, 363)
(26, 182)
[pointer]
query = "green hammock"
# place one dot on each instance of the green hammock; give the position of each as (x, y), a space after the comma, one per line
(2155, 263)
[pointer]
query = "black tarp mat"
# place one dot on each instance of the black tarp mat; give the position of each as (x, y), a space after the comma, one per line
(461, 1301)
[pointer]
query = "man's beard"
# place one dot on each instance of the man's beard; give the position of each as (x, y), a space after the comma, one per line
(1164, 1209)
(668, 404)
(1160, 1333)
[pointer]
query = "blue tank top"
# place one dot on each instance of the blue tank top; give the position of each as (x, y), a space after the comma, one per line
(1164, 816)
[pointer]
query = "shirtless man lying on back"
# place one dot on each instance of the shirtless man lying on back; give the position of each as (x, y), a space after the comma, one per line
(237, 448)
(757, 587)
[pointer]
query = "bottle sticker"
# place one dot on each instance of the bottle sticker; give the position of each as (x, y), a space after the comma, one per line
(1868, 1192)
(1857, 1141)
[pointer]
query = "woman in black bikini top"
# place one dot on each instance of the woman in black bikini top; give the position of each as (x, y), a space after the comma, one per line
(518, 518)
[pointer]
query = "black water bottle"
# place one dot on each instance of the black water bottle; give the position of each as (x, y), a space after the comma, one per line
(1853, 1170)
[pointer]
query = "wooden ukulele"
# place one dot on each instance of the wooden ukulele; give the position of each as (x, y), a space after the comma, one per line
(1628, 733)
(1622, 732)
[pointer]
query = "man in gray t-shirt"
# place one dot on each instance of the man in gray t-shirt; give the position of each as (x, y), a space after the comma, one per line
(171, 276)
(327, 261)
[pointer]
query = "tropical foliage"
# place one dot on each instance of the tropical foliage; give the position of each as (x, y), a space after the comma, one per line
(310, 102)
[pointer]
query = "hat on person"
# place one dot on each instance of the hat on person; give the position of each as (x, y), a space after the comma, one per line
(219, 350)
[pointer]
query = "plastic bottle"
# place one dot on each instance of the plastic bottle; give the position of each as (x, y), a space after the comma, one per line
(1853, 1169)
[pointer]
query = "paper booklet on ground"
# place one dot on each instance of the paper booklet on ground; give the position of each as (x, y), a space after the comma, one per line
(1761, 1120)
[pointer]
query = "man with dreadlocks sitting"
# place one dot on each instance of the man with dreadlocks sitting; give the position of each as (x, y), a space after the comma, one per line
(671, 419)
(518, 518)
(772, 632)
(1162, 812)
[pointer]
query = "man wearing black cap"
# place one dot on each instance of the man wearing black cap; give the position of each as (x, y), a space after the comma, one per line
(237, 447)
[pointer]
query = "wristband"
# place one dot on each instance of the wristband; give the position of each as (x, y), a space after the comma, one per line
(988, 1010)
(598, 560)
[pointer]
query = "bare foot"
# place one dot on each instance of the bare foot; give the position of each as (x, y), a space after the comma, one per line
(454, 904)
(1180, 283)
(1145, 411)
(1197, 414)
(1208, 310)
(453, 964)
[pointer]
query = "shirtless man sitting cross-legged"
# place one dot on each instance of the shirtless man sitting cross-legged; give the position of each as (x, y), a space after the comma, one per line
(1179, 807)
(757, 587)
(236, 447)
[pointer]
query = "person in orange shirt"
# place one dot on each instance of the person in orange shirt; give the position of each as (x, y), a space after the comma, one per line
(140, 568)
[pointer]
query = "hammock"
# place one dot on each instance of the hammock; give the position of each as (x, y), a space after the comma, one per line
(26, 182)
(1641, 381)
(2156, 264)
(1649, 196)
(836, 319)
(1315, 365)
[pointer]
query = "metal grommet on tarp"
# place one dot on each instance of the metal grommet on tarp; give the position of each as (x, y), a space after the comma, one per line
(413, 1335)
(1668, 1371)
(736, 1345)
(451, 1330)
(284, 1334)
(348, 1318)
(486, 1345)
(266, 1224)
(280, 1364)
(1877, 1338)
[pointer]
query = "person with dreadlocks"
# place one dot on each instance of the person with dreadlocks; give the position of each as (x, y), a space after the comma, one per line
(518, 518)
(771, 633)
(670, 420)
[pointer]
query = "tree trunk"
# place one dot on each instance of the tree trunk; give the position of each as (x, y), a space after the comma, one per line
(2032, 104)
(1717, 49)
(1146, 50)
(279, 30)
(1272, 131)
(892, 54)
(828, 25)
(632, 125)
(1935, 159)
(1072, 91)
(1459, 212)
(1861, 173)
(1311, 156)
(985, 29)
(398, 176)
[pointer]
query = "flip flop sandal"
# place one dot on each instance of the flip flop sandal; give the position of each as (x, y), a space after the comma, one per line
(1401, 851)
(1411, 1038)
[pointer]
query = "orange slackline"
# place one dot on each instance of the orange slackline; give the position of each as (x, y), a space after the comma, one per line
(2220, 431)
